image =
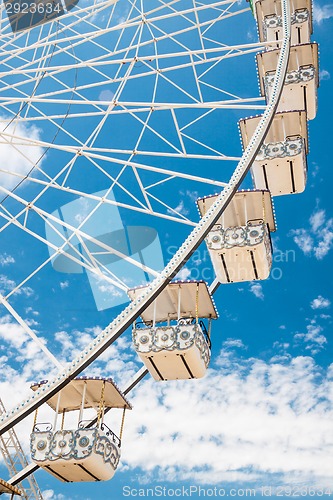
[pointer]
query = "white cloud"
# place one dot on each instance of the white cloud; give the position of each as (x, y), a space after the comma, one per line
(105, 287)
(247, 420)
(7, 285)
(320, 13)
(303, 240)
(256, 289)
(184, 274)
(313, 338)
(324, 75)
(6, 259)
(251, 35)
(85, 209)
(230, 343)
(110, 289)
(180, 208)
(51, 495)
(326, 239)
(315, 169)
(15, 157)
(64, 284)
(65, 341)
(282, 355)
(12, 333)
(317, 219)
(191, 195)
(320, 303)
(317, 240)
(119, 361)
(26, 290)
(29, 310)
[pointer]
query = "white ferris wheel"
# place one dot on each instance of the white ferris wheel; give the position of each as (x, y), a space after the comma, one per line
(120, 156)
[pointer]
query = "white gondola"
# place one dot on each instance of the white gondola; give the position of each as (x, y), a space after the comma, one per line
(84, 451)
(268, 14)
(239, 243)
(301, 83)
(280, 165)
(9, 488)
(173, 341)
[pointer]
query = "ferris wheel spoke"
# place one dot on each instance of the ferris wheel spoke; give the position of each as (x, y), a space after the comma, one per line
(87, 260)
(80, 260)
(91, 196)
(51, 71)
(172, 210)
(100, 60)
(50, 219)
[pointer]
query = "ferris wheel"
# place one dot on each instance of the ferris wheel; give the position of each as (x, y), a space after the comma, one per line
(119, 123)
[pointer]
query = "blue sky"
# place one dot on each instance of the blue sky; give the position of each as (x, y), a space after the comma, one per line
(263, 414)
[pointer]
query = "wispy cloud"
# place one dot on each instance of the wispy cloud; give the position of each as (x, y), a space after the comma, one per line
(6, 259)
(51, 495)
(7, 285)
(119, 361)
(317, 239)
(324, 75)
(317, 219)
(184, 274)
(233, 343)
(313, 338)
(180, 208)
(320, 13)
(256, 289)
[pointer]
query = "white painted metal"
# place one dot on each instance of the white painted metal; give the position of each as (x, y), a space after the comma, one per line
(180, 351)
(246, 206)
(281, 164)
(239, 244)
(269, 21)
(178, 300)
(16, 462)
(32, 467)
(241, 253)
(80, 454)
(284, 125)
(77, 454)
(302, 78)
(86, 392)
(284, 175)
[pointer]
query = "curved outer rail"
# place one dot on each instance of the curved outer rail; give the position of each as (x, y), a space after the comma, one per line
(198, 234)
